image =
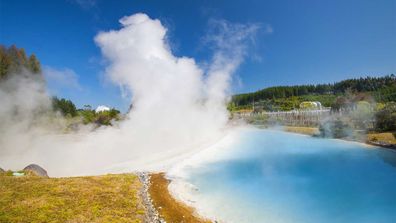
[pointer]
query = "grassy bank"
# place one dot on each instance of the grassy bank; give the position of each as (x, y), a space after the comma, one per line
(109, 198)
(385, 137)
(302, 130)
(168, 207)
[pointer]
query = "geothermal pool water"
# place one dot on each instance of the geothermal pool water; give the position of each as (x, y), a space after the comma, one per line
(273, 176)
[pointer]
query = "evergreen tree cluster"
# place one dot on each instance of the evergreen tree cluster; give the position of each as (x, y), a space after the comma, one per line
(382, 88)
(14, 61)
(65, 107)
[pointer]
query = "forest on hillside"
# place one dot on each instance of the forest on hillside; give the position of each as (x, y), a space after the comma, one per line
(379, 89)
(367, 103)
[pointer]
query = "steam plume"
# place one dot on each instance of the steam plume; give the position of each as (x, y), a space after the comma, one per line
(178, 107)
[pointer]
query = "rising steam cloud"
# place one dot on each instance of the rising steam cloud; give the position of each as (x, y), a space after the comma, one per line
(178, 107)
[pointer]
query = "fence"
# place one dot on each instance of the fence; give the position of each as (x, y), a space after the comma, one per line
(293, 118)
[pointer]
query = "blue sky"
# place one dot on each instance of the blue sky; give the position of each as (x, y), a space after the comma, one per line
(312, 41)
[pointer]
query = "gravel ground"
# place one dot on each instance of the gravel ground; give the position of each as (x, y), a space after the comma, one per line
(152, 215)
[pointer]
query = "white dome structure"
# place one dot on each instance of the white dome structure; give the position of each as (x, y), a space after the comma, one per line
(101, 108)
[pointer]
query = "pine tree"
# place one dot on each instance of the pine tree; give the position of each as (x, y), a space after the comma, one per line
(14, 55)
(5, 62)
(34, 64)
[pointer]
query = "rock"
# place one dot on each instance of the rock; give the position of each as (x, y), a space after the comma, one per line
(36, 169)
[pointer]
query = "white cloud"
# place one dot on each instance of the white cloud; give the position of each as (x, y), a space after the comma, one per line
(224, 35)
(230, 42)
(268, 29)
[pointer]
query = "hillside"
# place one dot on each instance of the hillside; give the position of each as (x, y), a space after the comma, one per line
(379, 89)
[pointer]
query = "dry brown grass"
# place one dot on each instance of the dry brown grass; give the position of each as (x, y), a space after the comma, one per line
(302, 130)
(109, 198)
(386, 137)
(168, 207)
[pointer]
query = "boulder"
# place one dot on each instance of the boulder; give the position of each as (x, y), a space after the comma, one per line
(36, 169)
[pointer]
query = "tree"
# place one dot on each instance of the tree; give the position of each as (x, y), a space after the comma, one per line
(362, 116)
(5, 62)
(22, 57)
(335, 127)
(14, 61)
(88, 115)
(386, 118)
(341, 103)
(65, 107)
(34, 64)
(106, 117)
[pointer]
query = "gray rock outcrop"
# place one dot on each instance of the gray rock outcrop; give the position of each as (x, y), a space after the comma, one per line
(36, 169)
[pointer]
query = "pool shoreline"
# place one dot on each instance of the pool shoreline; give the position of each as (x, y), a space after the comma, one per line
(314, 131)
(180, 196)
(169, 207)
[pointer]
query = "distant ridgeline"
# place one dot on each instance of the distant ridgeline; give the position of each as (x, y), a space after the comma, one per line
(380, 89)
(15, 61)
